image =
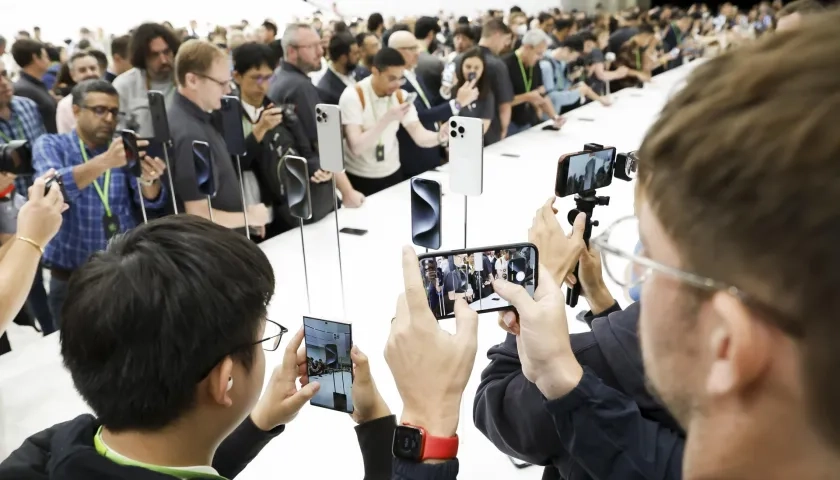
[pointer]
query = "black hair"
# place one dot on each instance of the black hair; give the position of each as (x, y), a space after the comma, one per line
(375, 21)
(83, 44)
(95, 85)
(494, 26)
(252, 55)
(158, 309)
(563, 24)
(426, 25)
(54, 53)
(340, 44)
(143, 35)
(515, 9)
(387, 57)
(63, 77)
(340, 26)
(588, 36)
(646, 28)
(24, 50)
(269, 25)
(466, 31)
(101, 59)
(463, 20)
(574, 43)
(544, 17)
(482, 85)
(400, 27)
(276, 47)
(119, 46)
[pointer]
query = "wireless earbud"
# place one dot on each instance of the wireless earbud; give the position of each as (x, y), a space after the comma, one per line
(230, 383)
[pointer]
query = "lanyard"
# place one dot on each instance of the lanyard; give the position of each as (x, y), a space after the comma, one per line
(373, 112)
(638, 59)
(677, 34)
(103, 192)
(527, 81)
(20, 132)
(420, 92)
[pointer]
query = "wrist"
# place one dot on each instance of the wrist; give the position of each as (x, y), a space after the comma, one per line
(260, 418)
(438, 422)
(381, 410)
(559, 380)
(600, 299)
(104, 162)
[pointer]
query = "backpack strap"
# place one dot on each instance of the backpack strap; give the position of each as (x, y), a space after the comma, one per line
(361, 95)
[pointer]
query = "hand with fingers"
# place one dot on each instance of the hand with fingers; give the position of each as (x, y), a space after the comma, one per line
(431, 367)
(321, 176)
(559, 252)
(591, 276)
(368, 404)
(39, 219)
(153, 169)
(282, 400)
(542, 340)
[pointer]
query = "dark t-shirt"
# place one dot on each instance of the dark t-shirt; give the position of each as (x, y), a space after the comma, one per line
(672, 39)
(620, 37)
(523, 114)
(483, 108)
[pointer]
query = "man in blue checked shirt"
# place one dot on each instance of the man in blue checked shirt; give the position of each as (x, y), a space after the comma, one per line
(20, 120)
(102, 196)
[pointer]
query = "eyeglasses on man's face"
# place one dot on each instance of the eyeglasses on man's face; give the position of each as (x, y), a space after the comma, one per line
(627, 265)
(271, 337)
(222, 83)
(101, 111)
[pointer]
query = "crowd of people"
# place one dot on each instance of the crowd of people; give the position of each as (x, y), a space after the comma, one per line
(731, 343)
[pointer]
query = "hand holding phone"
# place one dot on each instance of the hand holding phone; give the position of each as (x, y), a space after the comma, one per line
(328, 362)
(131, 152)
(410, 98)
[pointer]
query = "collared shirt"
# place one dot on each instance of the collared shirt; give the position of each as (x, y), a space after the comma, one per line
(25, 123)
(35, 90)
(82, 232)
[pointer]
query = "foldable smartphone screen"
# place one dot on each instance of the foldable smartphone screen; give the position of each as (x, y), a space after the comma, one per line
(328, 362)
(469, 274)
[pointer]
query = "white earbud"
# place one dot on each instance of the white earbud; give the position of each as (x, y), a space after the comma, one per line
(230, 383)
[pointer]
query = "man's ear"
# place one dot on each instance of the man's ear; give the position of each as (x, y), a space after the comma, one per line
(237, 77)
(220, 382)
(76, 110)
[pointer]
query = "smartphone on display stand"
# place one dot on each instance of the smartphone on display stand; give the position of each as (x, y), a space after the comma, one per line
(160, 124)
(132, 152)
(469, 274)
(466, 155)
(582, 172)
(330, 143)
(232, 127)
(328, 362)
(204, 172)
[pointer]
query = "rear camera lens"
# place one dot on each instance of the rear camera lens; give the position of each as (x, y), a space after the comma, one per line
(453, 133)
(453, 124)
(460, 129)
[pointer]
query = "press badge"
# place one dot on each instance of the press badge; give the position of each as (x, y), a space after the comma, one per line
(380, 153)
(111, 224)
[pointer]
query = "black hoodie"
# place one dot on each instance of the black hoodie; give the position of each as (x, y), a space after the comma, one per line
(609, 427)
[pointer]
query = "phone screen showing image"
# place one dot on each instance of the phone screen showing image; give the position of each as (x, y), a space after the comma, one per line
(328, 362)
(588, 171)
(469, 274)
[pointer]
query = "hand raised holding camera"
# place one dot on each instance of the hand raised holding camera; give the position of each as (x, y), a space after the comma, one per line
(39, 219)
(269, 118)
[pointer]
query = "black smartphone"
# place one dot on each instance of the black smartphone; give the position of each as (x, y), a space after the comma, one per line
(232, 125)
(353, 231)
(132, 152)
(426, 213)
(551, 127)
(55, 182)
(511, 155)
(204, 171)
(469, 274)
(160, 123)
(582, 172)
(328, 362)
(471, 76)
(16, 157)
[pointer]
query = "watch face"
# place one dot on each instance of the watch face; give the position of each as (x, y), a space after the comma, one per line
(408, 443)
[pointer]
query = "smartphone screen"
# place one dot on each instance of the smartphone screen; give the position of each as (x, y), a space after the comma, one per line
(353, 231)
(586, 171)
(203, 163)
(328, 362)
(426, 213)
(132, 153)
(469, 274)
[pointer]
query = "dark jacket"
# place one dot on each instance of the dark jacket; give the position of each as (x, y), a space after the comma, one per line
(292, 86)
(35, 90)
(608, 427)
(331, 87)
(415, 160)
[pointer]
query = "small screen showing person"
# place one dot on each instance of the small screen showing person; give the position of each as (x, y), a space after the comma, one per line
(328, 362)
(470, 276)
(590, 170)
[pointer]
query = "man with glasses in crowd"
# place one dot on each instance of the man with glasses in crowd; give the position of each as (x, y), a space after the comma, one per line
(203, 72)
(153, 49)
(103, 198)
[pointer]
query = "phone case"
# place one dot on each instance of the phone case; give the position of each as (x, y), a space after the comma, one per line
(132, 153)
(426, 213)
(205, 174)
(466, 155)
(232, 125)
(296, 183)
(160, 123)
(342, 394)
(330, 141)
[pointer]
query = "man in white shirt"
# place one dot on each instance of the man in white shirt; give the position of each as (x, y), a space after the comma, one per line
(83, 66)
(371, 113)
(502, 265)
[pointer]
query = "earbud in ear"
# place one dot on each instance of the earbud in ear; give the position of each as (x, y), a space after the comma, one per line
(230, 383)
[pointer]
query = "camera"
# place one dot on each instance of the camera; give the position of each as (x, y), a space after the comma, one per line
(289, 114)
(626, 166)
(56, 182)
(16, 158)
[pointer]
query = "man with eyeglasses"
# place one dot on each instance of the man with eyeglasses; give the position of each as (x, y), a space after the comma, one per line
(203, 79)
(153, 49)
(302, 54)
(103, 198)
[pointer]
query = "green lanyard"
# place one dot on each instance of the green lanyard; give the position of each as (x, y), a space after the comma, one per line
(677, 34)
(527, 81)
(638, 60)
(103, 192)
(20, 132)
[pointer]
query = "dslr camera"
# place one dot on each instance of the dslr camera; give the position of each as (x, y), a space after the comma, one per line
(16, 158)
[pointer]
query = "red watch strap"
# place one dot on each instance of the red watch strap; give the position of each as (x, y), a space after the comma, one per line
(439, 448)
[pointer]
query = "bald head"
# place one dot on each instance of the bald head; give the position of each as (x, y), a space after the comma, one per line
(407, 44)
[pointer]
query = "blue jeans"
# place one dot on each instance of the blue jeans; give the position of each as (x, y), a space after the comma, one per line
(38, 303)
(513, 129)
(58, 293)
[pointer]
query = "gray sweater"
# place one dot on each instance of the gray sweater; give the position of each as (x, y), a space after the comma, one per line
(134, 103)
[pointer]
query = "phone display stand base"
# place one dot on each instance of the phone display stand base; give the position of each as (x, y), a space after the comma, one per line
(169, 176)
(338, 245)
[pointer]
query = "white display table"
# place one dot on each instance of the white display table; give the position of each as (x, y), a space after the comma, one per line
(36, 391)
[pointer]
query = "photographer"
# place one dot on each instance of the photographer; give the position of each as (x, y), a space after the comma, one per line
(37, 223)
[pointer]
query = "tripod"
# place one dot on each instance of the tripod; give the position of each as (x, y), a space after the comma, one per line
(585, 202)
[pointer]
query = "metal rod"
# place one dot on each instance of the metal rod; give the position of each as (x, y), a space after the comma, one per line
(142, 202)
(242, 192)
(338, 244)
(608, 87)
(305, 271)
(465, 221)
(169, 175)
(210, 209)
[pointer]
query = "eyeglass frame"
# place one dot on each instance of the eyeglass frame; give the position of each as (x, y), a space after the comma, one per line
(221, 83)
(780, 318)
(279, 337)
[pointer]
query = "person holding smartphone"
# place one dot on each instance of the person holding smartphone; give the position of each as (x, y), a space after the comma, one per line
(472, 73)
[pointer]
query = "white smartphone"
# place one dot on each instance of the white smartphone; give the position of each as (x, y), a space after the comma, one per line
(410, 98)
(330, 144)
(466, 155)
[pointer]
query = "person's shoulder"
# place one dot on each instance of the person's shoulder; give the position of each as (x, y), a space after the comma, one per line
(24, 103)
(350, 95)
(128, 78)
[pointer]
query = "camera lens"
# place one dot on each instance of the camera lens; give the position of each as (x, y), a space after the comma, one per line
(453, 134)
(460, 129)
(453, 124)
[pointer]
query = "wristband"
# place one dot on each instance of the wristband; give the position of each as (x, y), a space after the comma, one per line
(31, 242)
(145, 183)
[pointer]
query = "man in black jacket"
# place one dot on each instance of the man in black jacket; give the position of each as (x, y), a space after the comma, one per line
(630, 435)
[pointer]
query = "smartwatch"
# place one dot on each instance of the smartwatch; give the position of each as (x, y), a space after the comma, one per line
(415, 444)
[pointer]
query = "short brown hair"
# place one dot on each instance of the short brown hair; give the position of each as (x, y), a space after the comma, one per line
(195, 56)
(741, 171)
(803, 7)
